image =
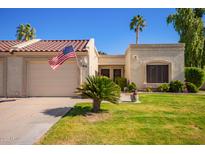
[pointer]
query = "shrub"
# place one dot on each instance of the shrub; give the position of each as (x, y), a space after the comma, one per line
(122, 82)
(191, 88)
(148, 89)
(195, 76)
(100, 88)
(163, 88)
(176, 86)
(131, 87)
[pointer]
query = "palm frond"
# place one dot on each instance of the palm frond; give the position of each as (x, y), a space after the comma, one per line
(137, 22)
(101, 88)
(25, 32)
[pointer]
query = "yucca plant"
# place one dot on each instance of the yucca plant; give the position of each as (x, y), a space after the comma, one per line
(100, 88)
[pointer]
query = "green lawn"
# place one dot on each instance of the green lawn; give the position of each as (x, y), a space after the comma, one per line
(159, 119)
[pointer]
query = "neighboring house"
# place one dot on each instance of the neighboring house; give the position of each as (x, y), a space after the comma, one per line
(24, 68)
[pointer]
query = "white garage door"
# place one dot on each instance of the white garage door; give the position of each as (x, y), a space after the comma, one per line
(1, 78)
(43, 81)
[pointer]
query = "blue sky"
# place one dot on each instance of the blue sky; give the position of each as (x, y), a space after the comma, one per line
(109, 27)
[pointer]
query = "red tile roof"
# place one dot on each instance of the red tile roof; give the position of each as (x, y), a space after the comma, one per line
(45, 45)
(6, 45)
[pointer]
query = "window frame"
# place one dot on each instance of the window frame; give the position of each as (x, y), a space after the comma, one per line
(105, 69)
(158, 64)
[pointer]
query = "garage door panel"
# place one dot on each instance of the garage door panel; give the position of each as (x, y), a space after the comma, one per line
(43, 81)
(1, 78)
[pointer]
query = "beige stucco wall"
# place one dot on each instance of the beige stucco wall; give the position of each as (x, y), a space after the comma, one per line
(137, 57)
(83, 67)
(1, 77)
(111, 60)
(92, 58)
(127, 64)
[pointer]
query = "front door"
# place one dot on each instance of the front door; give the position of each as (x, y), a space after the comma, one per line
(116, 73)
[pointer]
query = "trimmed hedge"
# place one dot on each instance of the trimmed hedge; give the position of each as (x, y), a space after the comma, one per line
(191, 88)
(176, 86)
(122, 82)
(148, 89)
(163, 88)
(195, 76)
(132, 87)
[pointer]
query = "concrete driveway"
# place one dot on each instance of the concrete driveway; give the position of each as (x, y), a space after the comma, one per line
(25, 120)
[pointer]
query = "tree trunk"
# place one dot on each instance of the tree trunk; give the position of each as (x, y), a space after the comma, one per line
(96, 105)
(137, 35)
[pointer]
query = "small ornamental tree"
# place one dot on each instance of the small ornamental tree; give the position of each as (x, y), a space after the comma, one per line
(195, 76)
(100, 88)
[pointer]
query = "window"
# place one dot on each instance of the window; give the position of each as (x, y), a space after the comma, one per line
(157, 74)
(105, 72)
(116, 73)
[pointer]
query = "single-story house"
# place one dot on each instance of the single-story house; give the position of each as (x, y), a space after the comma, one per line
(25, 72)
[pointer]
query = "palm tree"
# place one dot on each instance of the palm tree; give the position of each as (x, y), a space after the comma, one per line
(137, 24)
(100, 88)
(20, 33)
(25, 32)
(102, 53)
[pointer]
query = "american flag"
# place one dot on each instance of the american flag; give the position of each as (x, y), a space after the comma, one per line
(68, 52)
